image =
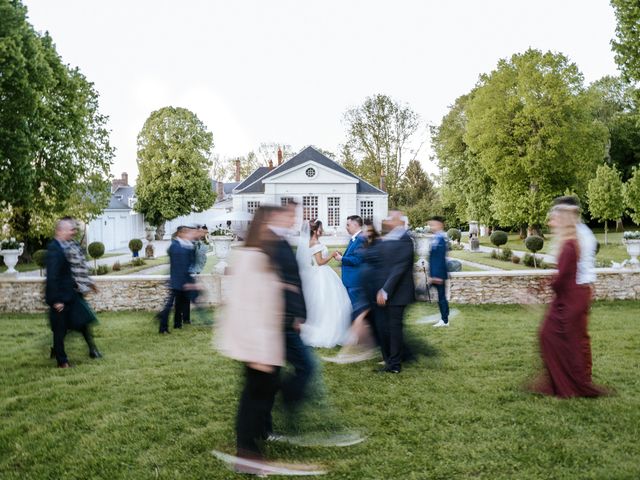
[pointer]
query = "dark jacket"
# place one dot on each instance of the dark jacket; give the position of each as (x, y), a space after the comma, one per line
(181, 262)
(438, 257)
(60, 286)
(352, 261)
(397, 270)
(284, 260)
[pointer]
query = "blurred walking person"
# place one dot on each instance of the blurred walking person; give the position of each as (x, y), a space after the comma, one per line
(66, 284)
(564, 329)
(438, 273)
(182, 286)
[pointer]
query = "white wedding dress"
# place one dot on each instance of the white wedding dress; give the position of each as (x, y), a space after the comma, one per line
(328, 305)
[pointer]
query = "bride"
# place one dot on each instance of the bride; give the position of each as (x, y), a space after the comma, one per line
(328, 304)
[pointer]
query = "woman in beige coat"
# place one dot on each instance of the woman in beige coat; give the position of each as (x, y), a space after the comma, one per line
(250, 330)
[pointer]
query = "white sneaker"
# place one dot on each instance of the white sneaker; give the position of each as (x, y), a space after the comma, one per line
(441, 324)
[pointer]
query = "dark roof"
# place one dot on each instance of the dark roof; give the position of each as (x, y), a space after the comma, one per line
(256, 175)
(307, 154)
(228, 187)
(126, 193)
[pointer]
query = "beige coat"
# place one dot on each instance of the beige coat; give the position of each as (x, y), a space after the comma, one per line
(250, 326)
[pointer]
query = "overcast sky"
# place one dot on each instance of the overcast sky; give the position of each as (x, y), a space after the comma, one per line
(286, 71)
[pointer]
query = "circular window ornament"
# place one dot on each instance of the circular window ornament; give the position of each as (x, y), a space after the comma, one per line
(310, 172)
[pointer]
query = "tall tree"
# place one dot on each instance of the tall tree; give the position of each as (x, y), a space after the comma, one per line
(466, 186)
(615, 106)
(55, 155)
(530, 125)
(415, 185)
(626, 45)
(378, 132)
(174, 159)
(632, 195)
(605, 194)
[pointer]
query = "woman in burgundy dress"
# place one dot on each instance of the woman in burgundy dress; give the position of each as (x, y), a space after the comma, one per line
(564, 331)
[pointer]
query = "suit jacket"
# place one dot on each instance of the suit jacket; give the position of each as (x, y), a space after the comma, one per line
(181, 261)
(60, 286)
(438, 257)
(284, 260)
(352, 260)
(397, 270)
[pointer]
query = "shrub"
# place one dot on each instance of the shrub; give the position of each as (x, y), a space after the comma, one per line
(40, 259)
(96, 250)
(499, 238)
(531, 260)
(457, 246)
(116, 267)
(135, 245)
(454, 234)
(534, 243)
(494, 254)
(99, 270)
(137, 262)
(506, 254)
(515, 259)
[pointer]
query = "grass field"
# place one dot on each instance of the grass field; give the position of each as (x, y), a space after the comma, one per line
(485, 259)
(155, 407)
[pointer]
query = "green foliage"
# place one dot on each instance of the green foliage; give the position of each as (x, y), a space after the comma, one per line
(99, 270)
(135, 245)
(454, 234)
(377, 135)
(626, 45)
(95, 250)
(531, 127)
(420, 212)
(55, 155)
(632, 195)
(534, 243)
(499, 238)
(415, 186)
(137, 262)
(116, 267)
(40, 259)
(174, 150)
(605, 194)
(506, 254)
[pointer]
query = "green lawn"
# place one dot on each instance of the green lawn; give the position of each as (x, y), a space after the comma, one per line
(155, 407)
(127, 269)
(485, 259)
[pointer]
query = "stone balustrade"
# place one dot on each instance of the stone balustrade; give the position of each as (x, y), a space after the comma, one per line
(148, 292)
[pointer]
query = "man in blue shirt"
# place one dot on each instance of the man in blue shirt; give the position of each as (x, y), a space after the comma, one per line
(351, 262)
(438, 268)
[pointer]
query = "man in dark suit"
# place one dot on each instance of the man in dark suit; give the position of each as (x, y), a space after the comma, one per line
(438, 272)
(60, 292)
(182, 286)
(293, 387)
(351, 263)
(396, 292)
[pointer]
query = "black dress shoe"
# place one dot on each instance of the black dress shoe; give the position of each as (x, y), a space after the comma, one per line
(95, 354)
(164, 332)
(177, 326)
(388, 370)
(64, 365)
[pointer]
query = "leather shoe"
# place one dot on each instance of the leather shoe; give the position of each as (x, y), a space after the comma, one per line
(95, 354)
(388, 370)
(164, 332)
(64, 365)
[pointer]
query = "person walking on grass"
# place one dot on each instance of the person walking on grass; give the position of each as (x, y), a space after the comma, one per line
(182, 286)
(66, 284)
(438, 274)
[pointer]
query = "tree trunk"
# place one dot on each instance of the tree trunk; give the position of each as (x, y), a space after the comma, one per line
(523, 232)
(160, 230)
(535, 230)
(606, 242)
(619, 225)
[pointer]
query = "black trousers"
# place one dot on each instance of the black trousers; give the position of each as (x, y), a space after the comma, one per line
(389, 323)
(254, 410)
(182, 310)
(60, 322)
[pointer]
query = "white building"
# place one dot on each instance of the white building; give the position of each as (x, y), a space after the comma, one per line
(323, 188)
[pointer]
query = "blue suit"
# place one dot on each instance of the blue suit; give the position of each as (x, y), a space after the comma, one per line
(352, 261)
(438, 269)
(181, 260)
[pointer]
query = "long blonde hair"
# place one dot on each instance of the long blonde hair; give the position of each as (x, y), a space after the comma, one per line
(567, 217)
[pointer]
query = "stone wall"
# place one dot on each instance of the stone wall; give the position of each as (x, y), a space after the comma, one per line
(148, 292)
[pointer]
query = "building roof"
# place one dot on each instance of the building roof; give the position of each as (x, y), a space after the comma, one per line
(255, 182)
(120, 198)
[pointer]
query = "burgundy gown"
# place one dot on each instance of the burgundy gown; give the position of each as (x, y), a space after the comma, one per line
(564, 341)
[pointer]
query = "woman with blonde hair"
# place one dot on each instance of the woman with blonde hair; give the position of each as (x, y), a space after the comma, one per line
(562, 334)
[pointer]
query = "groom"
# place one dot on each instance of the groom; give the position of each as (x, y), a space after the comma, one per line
(351, 261)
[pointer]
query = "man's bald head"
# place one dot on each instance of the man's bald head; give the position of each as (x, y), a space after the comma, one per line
(65, 229)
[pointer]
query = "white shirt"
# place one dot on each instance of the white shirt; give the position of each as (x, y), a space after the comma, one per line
(185, 243)
(587, 242)
(354, 236)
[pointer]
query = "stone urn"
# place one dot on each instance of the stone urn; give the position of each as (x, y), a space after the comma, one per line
(633, 249)
(10, 258)
(422, 243)
(221, 244)
(150, 233)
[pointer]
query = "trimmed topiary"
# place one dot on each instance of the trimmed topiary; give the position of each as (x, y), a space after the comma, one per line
(96, 250)
(499, 238)
(135, 245)
(534, 244)
(454, 234)
(40, 259)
